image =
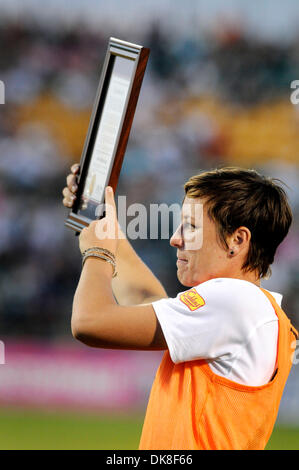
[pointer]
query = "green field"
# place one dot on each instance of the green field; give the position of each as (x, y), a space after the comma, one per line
(21, 429)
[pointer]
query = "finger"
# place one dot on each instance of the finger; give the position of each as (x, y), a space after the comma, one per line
(75, 168)
(68, 195)
(71, 182)
(67, 203)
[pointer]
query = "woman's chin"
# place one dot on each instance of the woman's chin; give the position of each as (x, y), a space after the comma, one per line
(189, 281)
(184, 279)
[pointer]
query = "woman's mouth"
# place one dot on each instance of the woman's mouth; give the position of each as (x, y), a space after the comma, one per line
(181, 262)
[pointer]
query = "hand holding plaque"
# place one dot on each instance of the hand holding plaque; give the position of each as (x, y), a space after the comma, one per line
(109, 129)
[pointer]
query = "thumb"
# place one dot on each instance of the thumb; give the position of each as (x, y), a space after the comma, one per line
(110, 206)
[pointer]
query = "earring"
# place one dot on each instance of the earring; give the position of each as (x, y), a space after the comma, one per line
(231, 252)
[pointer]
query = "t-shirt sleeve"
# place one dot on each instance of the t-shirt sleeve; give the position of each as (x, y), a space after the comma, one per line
(204, 322)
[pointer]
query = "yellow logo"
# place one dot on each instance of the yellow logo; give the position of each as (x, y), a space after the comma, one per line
(192, 299)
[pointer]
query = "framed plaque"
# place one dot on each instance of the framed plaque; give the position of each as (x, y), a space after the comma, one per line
(108, 130)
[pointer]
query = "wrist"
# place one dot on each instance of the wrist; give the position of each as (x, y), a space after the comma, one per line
(98, 266)
(102, 254)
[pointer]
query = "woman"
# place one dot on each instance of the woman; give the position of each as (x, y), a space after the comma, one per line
(228, 342)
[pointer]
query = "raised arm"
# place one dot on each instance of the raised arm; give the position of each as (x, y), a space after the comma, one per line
(135, 282)
(97, 320)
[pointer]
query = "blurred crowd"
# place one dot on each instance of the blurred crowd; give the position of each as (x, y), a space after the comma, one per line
(220, 98)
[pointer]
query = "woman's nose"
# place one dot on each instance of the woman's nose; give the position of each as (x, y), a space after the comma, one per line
(177, 238)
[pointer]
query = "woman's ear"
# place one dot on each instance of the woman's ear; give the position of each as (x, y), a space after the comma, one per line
(239, 240)
(243, 235)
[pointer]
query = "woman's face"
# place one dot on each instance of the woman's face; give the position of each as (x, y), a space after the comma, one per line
(200, 254)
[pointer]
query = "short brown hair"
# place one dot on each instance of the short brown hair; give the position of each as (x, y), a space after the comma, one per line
(240, 197)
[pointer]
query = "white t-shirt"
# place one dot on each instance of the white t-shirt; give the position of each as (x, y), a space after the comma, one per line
(228, 322)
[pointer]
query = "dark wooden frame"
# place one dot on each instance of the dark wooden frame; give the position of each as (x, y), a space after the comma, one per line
(129, 51)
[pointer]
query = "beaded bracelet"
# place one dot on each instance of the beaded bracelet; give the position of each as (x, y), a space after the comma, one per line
(104, 258)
